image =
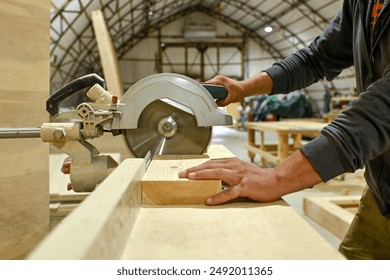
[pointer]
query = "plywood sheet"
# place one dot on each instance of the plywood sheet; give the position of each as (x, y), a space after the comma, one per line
(233, 231)
(24, 88)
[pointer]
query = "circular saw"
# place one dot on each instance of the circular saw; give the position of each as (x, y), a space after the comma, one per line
(159, 115)
(171, 114)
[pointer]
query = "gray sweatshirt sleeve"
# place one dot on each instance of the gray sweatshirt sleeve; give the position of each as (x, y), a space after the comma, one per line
(359, 134)
(326, 57)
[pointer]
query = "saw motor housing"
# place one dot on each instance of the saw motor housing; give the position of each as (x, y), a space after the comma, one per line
(107, 113)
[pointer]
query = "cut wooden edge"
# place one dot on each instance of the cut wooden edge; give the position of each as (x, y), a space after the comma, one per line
(179, 192)
(161, 184)
(100, 226)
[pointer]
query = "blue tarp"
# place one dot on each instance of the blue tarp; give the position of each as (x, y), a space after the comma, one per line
(295, 107)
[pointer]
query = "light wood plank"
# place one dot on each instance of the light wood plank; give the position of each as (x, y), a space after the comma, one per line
(100, 226)
(24, 88)
(265, 154)
(107, 54)
(162, 186)
(288, 126)
(331, 212)
(219, 152)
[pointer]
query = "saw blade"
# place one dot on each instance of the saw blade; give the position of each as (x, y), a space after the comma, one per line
(166, 130)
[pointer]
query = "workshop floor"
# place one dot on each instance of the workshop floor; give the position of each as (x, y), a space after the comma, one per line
(236, 139)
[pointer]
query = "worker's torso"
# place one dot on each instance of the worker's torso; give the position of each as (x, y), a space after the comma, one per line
(372, 62)
(371, 48)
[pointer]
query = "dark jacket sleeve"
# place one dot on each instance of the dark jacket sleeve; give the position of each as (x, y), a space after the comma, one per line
(342, 146)
(326, 56)
(358, 135)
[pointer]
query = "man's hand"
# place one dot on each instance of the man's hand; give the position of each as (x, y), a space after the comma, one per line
(243, 180)
(66, 165)
(237, 90)
(260, 184)
(66, 170)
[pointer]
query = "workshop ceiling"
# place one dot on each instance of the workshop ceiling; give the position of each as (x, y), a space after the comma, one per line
(294, 23)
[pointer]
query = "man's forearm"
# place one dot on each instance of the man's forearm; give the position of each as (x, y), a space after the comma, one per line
(258, 84)
(296, 173)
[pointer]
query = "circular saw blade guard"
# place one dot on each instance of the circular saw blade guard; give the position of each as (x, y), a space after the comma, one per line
(169, 114)
(188, 93)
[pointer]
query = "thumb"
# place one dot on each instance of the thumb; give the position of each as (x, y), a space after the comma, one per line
(224, 196)
(216, 80)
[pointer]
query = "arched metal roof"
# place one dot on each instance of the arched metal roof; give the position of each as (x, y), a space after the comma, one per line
(74, 51)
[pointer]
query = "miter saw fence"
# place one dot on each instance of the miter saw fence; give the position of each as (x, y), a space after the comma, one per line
(161, 114)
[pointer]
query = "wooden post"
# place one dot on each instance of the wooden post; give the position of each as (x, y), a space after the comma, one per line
(297, 140)
(24, 88)
(251, 142)
(107, 54)
(282, 147)
(262, 147)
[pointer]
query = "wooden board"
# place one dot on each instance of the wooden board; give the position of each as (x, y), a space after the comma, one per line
(219, 152)
(162, 186)
(100, 226)
(24, 88)
(63, 202)
(306, 127)
(334, 213)
(238, 230)
(230, 232)
(107, 54)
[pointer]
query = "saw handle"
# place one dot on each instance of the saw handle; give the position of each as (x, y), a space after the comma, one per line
(52, 104)
(216, 91)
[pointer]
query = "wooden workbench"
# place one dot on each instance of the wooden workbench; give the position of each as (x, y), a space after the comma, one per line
(113, 223)
(284, 130)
